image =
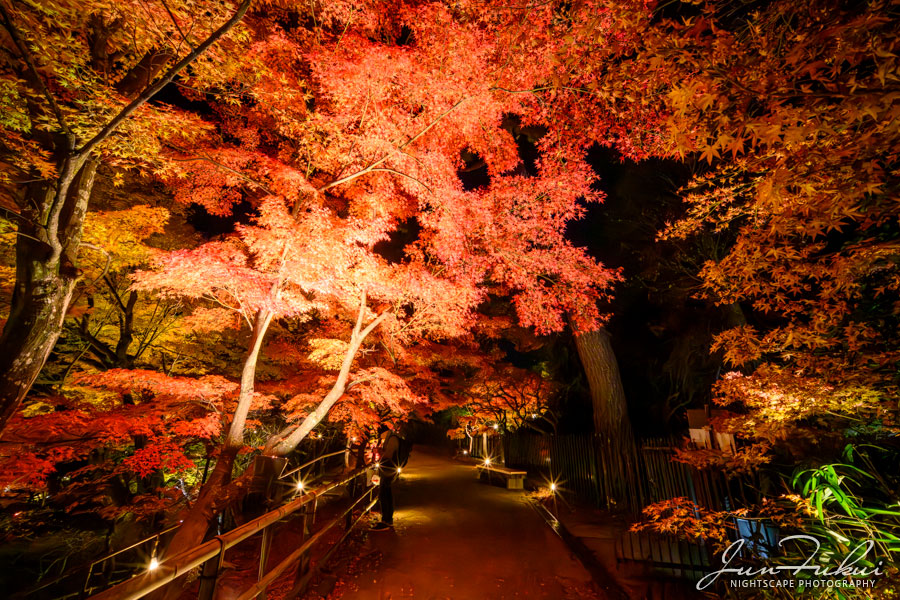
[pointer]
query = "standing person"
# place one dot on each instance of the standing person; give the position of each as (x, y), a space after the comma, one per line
(390, 444)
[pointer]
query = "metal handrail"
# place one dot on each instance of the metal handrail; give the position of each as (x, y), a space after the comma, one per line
(294, 556)
(90, 566)
(155, 538)
(136, 544)
(172, 568)
(312, 462)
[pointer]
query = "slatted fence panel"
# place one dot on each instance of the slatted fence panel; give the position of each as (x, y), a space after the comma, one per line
(625, 475)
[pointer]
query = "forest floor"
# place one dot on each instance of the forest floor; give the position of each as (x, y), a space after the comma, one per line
(456, 537)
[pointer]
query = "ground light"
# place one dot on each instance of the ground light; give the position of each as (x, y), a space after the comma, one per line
(555, 495)
(154, 564)
(399, 470)
(299, 486)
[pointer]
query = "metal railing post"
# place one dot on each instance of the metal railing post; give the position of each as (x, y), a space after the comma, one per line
(87, 581)
(351, 493)
(264, 557)
(209, 577)
(303, 563)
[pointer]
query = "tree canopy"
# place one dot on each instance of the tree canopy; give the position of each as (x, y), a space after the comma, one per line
(230, 226)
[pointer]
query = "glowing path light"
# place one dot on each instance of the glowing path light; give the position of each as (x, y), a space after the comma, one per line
(154, 564)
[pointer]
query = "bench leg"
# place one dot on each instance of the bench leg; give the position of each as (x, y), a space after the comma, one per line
(515, 483)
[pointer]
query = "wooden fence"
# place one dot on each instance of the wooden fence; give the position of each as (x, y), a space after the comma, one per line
(615, 474)
(625, 476)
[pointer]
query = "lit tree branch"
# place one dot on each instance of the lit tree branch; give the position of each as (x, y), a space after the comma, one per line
(39, 81)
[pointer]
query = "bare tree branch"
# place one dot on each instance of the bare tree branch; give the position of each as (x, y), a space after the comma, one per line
(175, 22)
(108, 260)
(151, 90)
(209, 159)
(385, 170)
(373, 166)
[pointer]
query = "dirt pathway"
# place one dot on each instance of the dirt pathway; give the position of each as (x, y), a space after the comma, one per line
(461, 539)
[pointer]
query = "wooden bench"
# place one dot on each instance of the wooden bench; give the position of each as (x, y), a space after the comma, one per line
(515, 480)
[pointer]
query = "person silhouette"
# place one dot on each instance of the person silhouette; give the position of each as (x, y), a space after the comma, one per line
(387, 471)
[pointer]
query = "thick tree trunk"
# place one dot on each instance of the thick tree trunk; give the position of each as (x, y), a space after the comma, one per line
(45, 278)
(607, 393)
(52, 218)
(197, 519)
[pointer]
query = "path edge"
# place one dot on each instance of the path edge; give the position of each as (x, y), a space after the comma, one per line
(601, 576)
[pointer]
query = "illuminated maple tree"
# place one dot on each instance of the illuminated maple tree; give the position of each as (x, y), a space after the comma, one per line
(791, 112)
(76, 82)
(357, 262)
(116, 443)
(503, 398)
(341, 132)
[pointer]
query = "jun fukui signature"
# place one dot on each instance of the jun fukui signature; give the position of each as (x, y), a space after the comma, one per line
(847, 567)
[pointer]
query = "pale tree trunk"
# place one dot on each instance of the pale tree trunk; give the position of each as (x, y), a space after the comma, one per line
(605, 383)
(51, 223)
(286, 441)
(197, 518)
(235, 437)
